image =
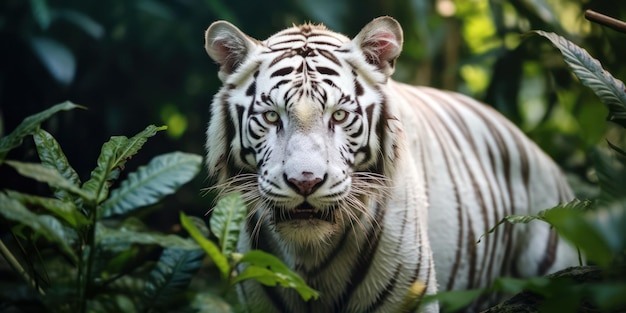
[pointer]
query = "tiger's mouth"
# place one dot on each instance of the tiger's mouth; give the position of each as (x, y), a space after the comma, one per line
(305, 212)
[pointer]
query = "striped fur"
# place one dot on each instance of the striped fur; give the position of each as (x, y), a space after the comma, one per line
(365, 186)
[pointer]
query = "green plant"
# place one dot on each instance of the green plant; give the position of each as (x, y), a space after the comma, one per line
(226, 220)
(83, 248)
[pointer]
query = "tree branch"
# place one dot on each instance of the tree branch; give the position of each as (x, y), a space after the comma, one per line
(605, 20)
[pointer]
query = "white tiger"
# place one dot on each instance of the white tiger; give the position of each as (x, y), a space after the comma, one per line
(365, 186)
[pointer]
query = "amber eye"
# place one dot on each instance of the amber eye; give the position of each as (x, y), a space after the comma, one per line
(271, 117)
(340, 116)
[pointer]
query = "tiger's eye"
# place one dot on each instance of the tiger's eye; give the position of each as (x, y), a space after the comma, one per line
(271, 117)
(340, 116)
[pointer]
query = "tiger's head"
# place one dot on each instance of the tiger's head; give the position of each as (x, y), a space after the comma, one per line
(301, 126)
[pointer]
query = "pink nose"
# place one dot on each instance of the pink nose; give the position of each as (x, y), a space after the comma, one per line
(307, 185)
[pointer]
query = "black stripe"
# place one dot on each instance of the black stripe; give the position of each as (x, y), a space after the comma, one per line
(282, 72)
(326, 71)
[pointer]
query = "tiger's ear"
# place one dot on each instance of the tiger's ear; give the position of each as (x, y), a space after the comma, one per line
(381, 43)
(228, 46)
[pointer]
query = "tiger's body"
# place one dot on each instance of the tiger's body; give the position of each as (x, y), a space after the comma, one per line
(373, 191)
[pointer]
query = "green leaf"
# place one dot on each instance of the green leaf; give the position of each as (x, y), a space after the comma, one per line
(517, 285)
(63, 209)
(44, 225)
(46, 175)
(52, 156)
(610, 90)
(512, 219)
(226, 220)
(271, 271)
(112, 159)
(455, 300)
(580, 229)
(109, 236)
(608, 296)
(29, 126)
(149, 184)
(209, 247)
(171, 275)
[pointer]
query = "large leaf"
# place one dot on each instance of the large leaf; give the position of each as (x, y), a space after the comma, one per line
(109, 236)
(271, 271)
(112, 159)
(29, 126)
(209, 247)
(226, 220)
(610, 90)
(46, 175)
(598, 233)
(63, 209)
(149, 184)
(42, 225)
(171, 275)
(52, 156)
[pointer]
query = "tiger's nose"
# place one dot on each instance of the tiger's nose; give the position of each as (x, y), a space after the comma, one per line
(306, 184)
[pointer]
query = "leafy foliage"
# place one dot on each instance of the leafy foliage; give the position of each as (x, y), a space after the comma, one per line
(96, 255)
(227, 218)
(29, 126)
(226, 221)
(610, 90)
(162, 176)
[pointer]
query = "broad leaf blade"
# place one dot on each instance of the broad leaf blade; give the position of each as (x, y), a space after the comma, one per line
(52, 156)
(46, 175)
(209, 247)
(171, 275)
(29, 126)
(226, 220)
(149, 184)
(582, 229)
(63, 209)
(108, 236)
(271, 271)
(43, 225)
(112, 159)
(610, 90)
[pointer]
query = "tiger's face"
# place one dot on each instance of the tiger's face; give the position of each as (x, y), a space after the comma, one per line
(298, 125)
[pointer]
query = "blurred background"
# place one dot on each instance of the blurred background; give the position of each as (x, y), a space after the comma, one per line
(138, 62)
